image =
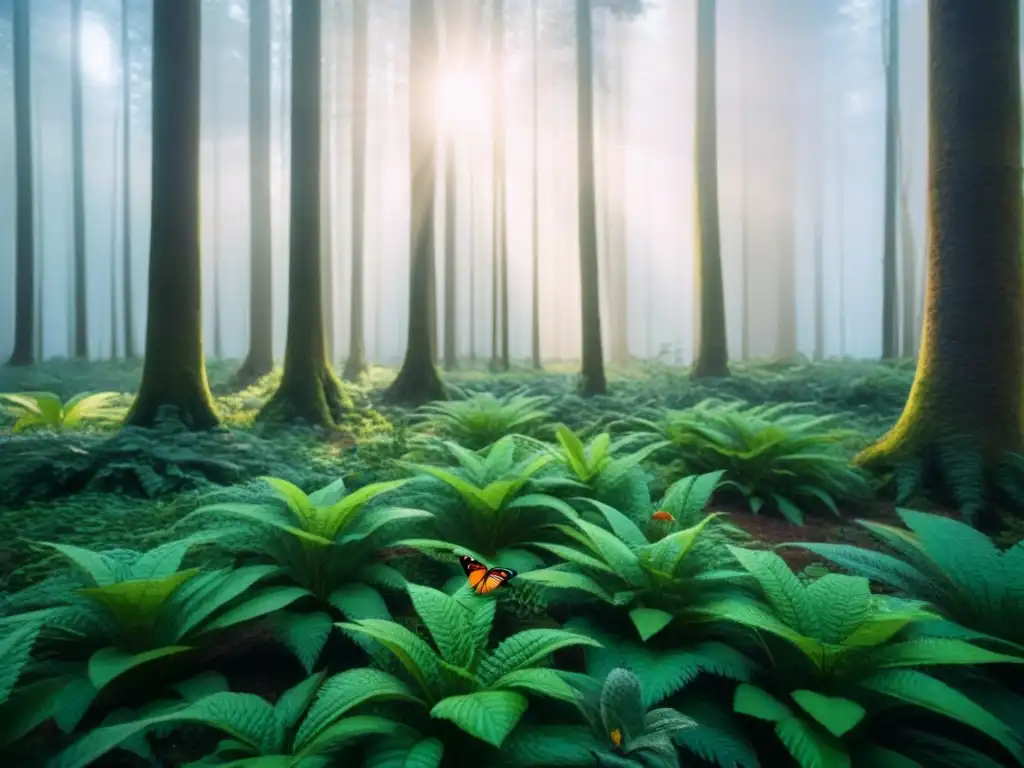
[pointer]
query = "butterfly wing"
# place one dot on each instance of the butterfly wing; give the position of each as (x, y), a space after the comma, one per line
(494, 578)
(475, 571)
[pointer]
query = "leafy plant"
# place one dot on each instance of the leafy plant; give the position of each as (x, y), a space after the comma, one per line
(479, 420)
(325, 543)
(494, 513)
(657, 583)
(301, 729)
(771, 455)
(45, 409)
(137, 609)
(457, 679)
(844, 662)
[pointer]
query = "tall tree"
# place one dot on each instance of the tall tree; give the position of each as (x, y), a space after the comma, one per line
(535, 187)
(332, 26)
(712, 343)
(418, 381)
(891, 60)
(174, 372)
(24, 253)
(215, 223)
(80, 348)
(455, 62)
(592, 380)
(355, 365)
(260, 360)
(500, 338)
(964, 408)
(309, 391)
(126, 186)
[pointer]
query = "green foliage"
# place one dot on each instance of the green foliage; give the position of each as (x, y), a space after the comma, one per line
(771, 455)
(476, 421)
(47, 410)
(844, 657)
(485, 507)
(131, 609)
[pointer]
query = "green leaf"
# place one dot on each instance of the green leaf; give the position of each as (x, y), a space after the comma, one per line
(649, 621)
(552, 745)
(838, 715)
(936, 651)
(526, 649)
(262, 603)
(109, 663)
(574, 452)
(15, 651)
(459, 628)
(291, 704)
(348, 730)
(619, 556)
(809, 748)
(425, 753)
(412, 652)
(543, 682)
(209, 592)
(667, 553)
(487, 715)
(622, 704)
(781, 587)
(359, 601)
(756, 702)
(304, 634)
(788, 509)
(841, 604)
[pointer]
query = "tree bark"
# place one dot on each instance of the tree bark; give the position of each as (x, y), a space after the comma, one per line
(126, 188)
(260, 360)
(174, 373)
(712, 342)
(418, 381)
(24, 266)
(535, 189)
(964, 408)
(500, 354)
(80, 348)
(355, 365)
(592, 379)
(891, 48)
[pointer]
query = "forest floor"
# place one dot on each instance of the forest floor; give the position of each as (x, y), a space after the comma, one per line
(102, 488)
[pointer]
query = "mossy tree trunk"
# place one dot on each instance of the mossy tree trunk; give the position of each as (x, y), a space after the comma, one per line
(418, 381)
(355, 365)
(24, 260)
(309, 391)
(174, 372)
(712, 344)
(964, 408)
(260, 360)
(592, 380)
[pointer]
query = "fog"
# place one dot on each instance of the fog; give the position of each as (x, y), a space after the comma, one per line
(809, 70)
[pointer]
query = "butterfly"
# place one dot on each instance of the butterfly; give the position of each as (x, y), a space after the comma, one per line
(663, 517)
(483, 579)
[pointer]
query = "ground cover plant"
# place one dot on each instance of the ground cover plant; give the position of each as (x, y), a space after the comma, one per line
(253, 597)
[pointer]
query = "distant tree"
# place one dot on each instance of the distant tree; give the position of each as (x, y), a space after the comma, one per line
(126, 186)
(535, 187)
(355, 365)
(260, 360)
(891, 62)
(418, 381)
(174, 372)
(592, 380)
(499, 295)
(964, 409)
(309, 390)
(24, 251)
(80, 348)
(712, 343)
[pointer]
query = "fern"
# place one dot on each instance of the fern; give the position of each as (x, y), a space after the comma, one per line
(479, 420)
(47, 410)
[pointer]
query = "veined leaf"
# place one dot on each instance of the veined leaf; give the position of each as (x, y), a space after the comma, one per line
(526, 649)
(110, 663)
(781, 587)
(649, 621)
(936, 651)
(459, 628)
(262, 603)
(543, 682)
(809, 748)
(756, 702)
(15, 650)
(412, 652)
(841, 604)
(348, 730)
(838, 715)
(560, 579)
(487, 715)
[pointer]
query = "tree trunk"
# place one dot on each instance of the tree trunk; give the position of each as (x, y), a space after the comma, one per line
(891, 48)
(964, 408)
(81, 343)
(260, 360)
(24, 266)
(908, 264)
(592, 380)
(712, 342)
(126, 189)
(215, 223)
(309, 390)
(450, 254)
(418, 381)
(174, 373)
(535, 355)
(355, 365)
(500, 354)
(329, 98)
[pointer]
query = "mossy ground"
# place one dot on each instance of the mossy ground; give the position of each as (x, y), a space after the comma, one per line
(150, 479)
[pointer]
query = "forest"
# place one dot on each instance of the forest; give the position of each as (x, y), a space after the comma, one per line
(449, 383)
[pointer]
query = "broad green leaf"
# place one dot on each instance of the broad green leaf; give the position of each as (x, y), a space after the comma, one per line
(837, 714)
(543, 682)
(348, 730)
(264, 602)
(621, 525)
(291, 704)
(412, 652)
(526, 649)
(756, 702)
(96, 565)
(194, 604)
(452, 623)
(781, 587)
(841, 604)
(622, 704)
(667, 553)
(649, 621)
(936, 651)
(576, 557)
(619, 556)
(487, 715)
(110, 663)
(561, 579)
(809, 748)
(15, 651)
(304, 634)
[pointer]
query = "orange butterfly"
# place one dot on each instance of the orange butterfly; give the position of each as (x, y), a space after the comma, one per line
(481, 578)
(662, 516)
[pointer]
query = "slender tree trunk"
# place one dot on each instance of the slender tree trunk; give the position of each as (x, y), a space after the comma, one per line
(746, 115)
(450, 255)
(535, 189)
(908, 263)
(309, 391)
(964, 408)
(260, 360)
(890, 323)
(128, 306)
(215, 223)
(81, 344)
(712, 342)
(472, 263)
(418, 381)
(330, 128)
(355, 365)
(174, 374)
(500, 284)
(24, 266)
(592, 381)
(113, 239)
